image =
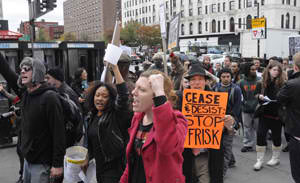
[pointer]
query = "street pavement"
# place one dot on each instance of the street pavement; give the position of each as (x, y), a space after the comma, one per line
(242, 173)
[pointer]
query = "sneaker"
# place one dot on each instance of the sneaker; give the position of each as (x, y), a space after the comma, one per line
(231, 165)
(286, 149)
(20, 180)
(246, 149)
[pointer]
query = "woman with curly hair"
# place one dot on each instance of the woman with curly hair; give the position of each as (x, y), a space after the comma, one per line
(109, 119)
(273, 79)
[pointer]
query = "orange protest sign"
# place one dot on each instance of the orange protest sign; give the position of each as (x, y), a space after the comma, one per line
(204, 111)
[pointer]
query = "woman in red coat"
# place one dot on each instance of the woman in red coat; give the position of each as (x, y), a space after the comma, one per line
(157, 133)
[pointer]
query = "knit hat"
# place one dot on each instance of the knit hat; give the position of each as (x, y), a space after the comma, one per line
(57, 74)
(195, 70)
(124, 58)
(38, 69)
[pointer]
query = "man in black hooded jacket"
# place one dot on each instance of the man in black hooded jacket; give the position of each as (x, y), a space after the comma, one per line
(42, 139)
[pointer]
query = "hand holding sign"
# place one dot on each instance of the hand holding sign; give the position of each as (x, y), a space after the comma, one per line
(113, 54)
(157, 84)
(228, 122)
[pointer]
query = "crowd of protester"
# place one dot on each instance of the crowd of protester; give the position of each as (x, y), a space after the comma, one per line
(134, 128)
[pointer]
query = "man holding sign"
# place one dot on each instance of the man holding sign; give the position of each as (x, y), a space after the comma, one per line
(205, 112)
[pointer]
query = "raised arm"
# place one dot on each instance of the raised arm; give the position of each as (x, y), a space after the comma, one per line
(9, 75)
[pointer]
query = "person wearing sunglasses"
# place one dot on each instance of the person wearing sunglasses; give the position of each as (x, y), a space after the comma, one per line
(42, 126)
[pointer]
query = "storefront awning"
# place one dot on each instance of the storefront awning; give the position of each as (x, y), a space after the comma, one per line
(4, 35)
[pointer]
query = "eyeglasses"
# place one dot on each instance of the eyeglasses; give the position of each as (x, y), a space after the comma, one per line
(26, 68)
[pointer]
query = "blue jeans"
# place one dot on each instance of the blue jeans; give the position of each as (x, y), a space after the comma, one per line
(36, 173)
(294, 149)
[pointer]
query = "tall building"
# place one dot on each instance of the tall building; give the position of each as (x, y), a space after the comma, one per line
(1, 10)
(225, 24)
(90, 17)
(145, 12)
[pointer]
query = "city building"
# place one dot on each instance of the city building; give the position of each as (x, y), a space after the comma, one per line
(145, 12)
(1, 10)
(224, 24)
(90, 17)
(52, 29)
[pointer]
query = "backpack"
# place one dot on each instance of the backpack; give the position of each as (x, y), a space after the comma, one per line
(73, 119)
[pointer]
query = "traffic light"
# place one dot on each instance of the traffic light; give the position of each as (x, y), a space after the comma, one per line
(43, 7)
(51, 4)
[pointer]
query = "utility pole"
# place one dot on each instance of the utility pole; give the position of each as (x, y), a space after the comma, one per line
(258, 40)
(31, 22)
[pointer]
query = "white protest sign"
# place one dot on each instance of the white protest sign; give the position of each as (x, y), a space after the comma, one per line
(113, 54)
(162, 21)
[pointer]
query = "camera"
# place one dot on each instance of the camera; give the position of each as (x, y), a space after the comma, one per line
(12, 111)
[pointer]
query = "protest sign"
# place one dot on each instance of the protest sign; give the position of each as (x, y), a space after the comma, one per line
(204, 111)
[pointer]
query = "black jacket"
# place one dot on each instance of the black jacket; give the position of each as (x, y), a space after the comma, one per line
(112, 127)
(43, 139)
(288, 95)
(42, 126)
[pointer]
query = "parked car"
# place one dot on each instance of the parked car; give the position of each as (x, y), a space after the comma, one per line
(136, 59)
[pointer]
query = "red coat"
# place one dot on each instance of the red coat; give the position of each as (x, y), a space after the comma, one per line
(162, 151)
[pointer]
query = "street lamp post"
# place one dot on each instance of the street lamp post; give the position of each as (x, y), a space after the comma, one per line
(258, 40)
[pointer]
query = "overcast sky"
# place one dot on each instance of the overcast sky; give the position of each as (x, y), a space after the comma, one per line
(16, 11)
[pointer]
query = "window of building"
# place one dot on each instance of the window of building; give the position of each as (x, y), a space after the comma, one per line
(136, 12)
(191, 12)
(249, 22)
(240, 23)
(191, 28)
(287, 21)
(262, 2)
(295, 2)
(219, 26)
(249, 3)
(288, 2)
(153, 18)
(199, 2)
(182, 13)
(231, 5)
(213, 26)
(231, 24)
(294, 22)
(199, 27)
(240, 4)
(282, 21)
(282, 1)
(206, 26)
(213, 8)
(146, 20)
(181, 2)
(199, 10)
(146, 8)
(224, 6)
(153, 8)
(182, 29)
(206, 10)
(167, 5)
(224, 24)
(190, 3)
(174, 4)
(219, 7)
